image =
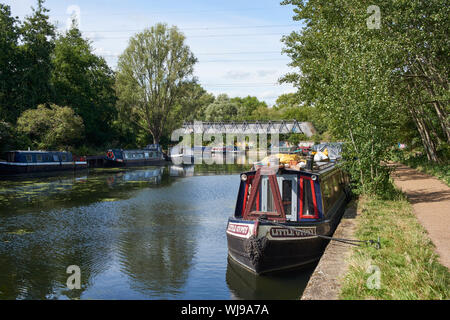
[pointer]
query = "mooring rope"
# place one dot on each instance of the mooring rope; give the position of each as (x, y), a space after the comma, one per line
(375, 243)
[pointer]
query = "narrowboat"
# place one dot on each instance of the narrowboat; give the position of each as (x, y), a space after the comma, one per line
(150, 156)
(18, 162)
(281, 210)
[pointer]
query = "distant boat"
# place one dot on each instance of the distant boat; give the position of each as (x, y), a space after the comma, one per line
(151, 155)
(18, 162)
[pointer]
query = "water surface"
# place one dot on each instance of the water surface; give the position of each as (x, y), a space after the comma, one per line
(142, 233)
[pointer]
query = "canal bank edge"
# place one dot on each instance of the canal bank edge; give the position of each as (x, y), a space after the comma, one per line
(325, 282)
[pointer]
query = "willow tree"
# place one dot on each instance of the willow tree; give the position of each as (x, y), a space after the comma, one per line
(151, 74)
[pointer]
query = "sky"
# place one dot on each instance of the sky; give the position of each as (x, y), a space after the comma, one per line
(237, 43)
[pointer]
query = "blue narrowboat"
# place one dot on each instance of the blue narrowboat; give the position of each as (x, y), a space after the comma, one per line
(280, 213)
(18, 162)
(151, 155)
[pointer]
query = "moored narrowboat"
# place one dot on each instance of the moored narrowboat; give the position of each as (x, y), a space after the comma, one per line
(18, 162)
(151, 155)
(281, 211)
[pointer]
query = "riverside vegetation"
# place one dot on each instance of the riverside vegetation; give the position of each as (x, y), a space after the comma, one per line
(370, 87)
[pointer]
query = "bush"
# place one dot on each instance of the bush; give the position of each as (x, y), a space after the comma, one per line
(51, 127)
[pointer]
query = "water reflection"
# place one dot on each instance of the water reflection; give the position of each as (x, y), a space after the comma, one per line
(181, 170)
(24, 195)
(278, 286)
(139, 233)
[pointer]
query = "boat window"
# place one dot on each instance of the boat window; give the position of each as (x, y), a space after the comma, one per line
(39, 157)
(146, 155)
(64, 157)
(29, 158)
(287, 196)
(10, 157)
(270, 206)
(308, 205)
(55, 157)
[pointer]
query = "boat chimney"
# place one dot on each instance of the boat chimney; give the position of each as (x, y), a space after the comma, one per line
(309, 162)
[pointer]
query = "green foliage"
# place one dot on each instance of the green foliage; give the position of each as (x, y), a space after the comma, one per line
(37, 43)
(9, 36)
(6, 134)
(222, 109)
(84, 81)
(151, 75)
(352, 75)
(51, 128)
(295, 138)
(190, 106)
(248, 107)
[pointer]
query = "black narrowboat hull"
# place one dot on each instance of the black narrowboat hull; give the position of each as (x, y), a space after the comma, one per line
(22, 168)
(274, 255)
(135, 163)
(279, 250)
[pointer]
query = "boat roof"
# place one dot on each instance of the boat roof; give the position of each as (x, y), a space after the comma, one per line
(320, 168)
(39, 151)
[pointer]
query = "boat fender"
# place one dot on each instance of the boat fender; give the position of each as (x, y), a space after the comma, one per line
(254, 248)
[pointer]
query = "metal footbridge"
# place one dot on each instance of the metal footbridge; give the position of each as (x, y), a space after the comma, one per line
(249, 127)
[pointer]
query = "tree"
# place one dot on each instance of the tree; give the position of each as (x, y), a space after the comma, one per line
(247, 106)
(190, 106)
(151, 74)
(53, 127)
(344, 72)
(222, 109)
(422, 75)
(9, 59)
(85, 82)
(37, 43)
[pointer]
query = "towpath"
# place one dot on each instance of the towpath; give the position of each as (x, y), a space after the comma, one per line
(430, 199)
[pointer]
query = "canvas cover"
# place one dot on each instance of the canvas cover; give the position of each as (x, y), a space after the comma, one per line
(334, 149)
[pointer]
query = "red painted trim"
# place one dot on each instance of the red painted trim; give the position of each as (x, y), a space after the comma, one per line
(301, 200)
(258, 206)
(255, 229)
(245, 195)
(313, 192)
(277, 196)
(253, 193)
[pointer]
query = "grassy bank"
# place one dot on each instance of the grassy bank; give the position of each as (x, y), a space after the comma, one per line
(407, 265)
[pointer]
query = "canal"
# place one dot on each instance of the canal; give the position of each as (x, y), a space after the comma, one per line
(141, 233)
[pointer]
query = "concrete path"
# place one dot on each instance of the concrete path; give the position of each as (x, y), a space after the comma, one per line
(430, 199)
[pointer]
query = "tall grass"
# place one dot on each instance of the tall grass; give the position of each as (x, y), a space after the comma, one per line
(408, 265)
